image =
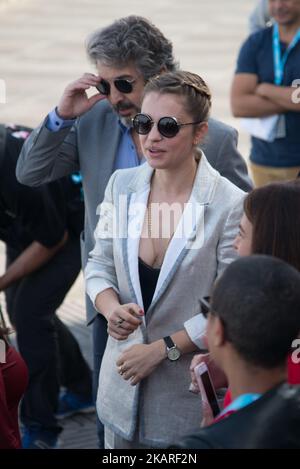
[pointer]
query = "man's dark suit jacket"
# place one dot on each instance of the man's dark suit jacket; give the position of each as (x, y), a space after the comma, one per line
(273, 421)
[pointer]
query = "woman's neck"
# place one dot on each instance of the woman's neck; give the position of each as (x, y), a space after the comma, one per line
(175, 181)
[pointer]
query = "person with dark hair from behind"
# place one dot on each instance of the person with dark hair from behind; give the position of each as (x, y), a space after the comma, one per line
(13, 382)
(252, 320)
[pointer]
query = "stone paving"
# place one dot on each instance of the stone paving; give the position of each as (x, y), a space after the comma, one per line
(42, 50)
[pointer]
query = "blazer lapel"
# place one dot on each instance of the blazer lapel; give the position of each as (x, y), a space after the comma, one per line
(137, 205)
(185, 233)
(189, 233)
(137, 209)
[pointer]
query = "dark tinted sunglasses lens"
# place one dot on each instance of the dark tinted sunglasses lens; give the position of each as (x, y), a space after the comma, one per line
(103, 87)
(123, 86)
(142, 124)
(168, 127)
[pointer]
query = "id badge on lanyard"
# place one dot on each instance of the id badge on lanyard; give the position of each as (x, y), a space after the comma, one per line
(239, 403)
(279, 65)
(279, 62)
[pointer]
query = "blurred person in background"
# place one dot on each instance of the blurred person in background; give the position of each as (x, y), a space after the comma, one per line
(41, 228)
(264, 93)
(13, 383)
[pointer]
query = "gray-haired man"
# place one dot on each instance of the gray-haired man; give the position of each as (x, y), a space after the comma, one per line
(94, 135)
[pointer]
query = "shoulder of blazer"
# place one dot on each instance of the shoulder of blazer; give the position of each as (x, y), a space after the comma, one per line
(217, 134)
(100, 115)
(210, 186)
(132, 179)
(219, 128)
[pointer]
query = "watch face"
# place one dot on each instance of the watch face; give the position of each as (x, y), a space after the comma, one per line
(173, 354)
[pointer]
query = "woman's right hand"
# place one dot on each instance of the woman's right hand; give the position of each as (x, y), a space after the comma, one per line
(75, 101)
(124, 320)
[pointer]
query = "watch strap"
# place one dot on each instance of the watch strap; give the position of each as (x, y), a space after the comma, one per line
(169, 342)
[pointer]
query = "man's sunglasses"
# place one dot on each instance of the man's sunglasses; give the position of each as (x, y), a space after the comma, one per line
(167, 126)
(205, 307)
(122, 85)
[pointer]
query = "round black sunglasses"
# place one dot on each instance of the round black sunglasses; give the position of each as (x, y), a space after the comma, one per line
(122, 85)
(167, 126)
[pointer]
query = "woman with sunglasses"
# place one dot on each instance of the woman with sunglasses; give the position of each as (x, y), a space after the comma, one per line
(165, 232)
(269, 226)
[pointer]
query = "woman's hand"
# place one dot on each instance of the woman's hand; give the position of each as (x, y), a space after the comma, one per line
(124, 320)
(139, 361)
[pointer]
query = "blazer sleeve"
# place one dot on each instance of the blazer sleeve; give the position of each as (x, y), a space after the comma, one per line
(196, 330)
(100, 272)
(225, 250)
(47, 156)
(230, 162)
(196, 326)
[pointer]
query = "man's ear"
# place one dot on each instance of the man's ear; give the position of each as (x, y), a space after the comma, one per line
(200, 133)
(219, 332)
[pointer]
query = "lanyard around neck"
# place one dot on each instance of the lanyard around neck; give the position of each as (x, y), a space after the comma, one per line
(279, 62)
(239, 403)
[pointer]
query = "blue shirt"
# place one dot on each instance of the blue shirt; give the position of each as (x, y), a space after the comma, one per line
(55, 123)
(126, 156)
(256, 56)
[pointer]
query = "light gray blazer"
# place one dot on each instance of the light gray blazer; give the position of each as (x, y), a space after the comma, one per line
(91, 147)
(194, 258)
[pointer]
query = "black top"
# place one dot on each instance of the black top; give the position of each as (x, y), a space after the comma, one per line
(30, 214)
(148, 280)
